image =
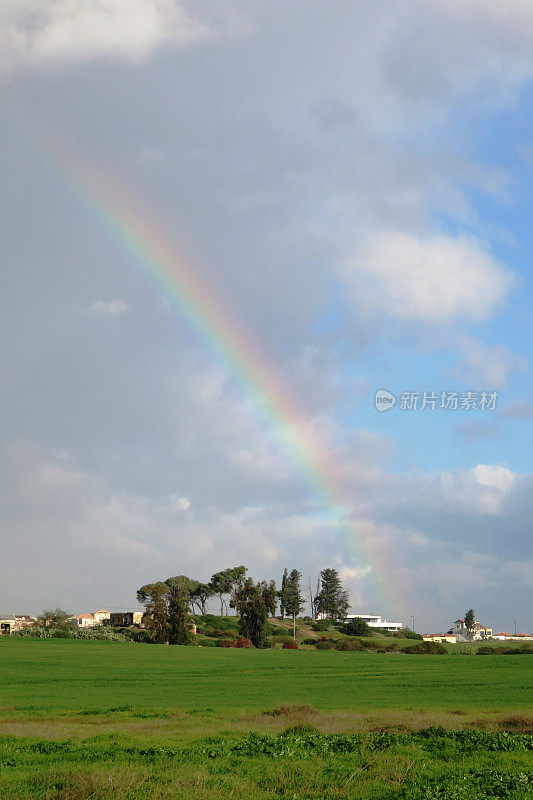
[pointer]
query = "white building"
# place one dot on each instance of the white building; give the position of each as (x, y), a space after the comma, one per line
(85, 620)
(375, 621)
(477, 632)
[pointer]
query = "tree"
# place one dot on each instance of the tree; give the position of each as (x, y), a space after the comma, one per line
(470, 621)
(253, 612)
(237, 576)
(333, 600)
(225, 582)
(343, 604)
(221, 586)
(154, 597)
(200, 595)
(294, 601)
(178, 598)
(53, 618)
(283, 594)
(270, 596)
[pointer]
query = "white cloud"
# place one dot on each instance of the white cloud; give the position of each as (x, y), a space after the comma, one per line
(426, 279)
(35, 32)
(178, 504)
(113, 308)
(482, 490)
(486, 364)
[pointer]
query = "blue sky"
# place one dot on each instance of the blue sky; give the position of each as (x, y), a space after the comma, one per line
(354, 182)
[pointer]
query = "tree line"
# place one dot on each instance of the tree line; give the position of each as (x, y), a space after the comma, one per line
(168, 604)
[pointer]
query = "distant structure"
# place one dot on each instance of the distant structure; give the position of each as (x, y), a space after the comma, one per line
(17, 622)
(451, 638)
(125, 619)
(478, 631)
(375, 621)
(85, 621)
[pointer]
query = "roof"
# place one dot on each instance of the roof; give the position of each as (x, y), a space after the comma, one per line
(101, 611)
(85, 616)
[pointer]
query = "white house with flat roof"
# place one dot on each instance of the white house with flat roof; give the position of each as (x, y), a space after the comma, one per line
(376, 621)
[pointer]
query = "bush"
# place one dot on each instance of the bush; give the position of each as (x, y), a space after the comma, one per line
(425, 648)
(407, 633)
(350, 645)
(309, 641)
(291, 645)
(357, 627)
(485, 651)
(322, 625)
(325, 645)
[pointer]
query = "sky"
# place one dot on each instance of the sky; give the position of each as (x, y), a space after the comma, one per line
(347, 187)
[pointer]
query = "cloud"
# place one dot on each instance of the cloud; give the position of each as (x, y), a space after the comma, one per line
(427, 279)
(113, 308)
(41, 32)
(488, 365)
(467, 432)
(518, 409)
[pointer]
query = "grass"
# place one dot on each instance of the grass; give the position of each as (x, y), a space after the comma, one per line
(69, 674)
(91, 720)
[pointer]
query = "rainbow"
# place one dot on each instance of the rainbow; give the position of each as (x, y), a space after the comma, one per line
(156, 258)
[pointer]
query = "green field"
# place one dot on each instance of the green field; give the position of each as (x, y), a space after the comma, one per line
(62, 674)
(98, 720)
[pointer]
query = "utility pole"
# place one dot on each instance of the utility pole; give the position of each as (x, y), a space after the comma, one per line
(514, 627)
(413, 623)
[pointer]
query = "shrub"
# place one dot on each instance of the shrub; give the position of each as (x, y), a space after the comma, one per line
(325, 645)
(425, 648)
(290, 645)
(407, 633)
(240, 642)
(485, 651)
(349, 645)
(357, 627)
(309, 641)
(281, 637)
(322, 625)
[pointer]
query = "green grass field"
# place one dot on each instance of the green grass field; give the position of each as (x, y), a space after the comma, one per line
(144, 722)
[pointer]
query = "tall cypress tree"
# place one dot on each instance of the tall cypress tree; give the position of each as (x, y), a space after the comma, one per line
(333, 600)
(283, 595)
(294, 601)
(253, 612)
(179, 595)
(154, 597)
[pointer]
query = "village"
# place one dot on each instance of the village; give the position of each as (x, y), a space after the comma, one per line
(458, 633)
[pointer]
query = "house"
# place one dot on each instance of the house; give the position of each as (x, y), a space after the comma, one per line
(17, 622)
(451, 638)
(375, 621)
(479, 631)
(24, 621)
(101, 616)
(85, 620)
(503, 636)
(7, 626)
(125, 619)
